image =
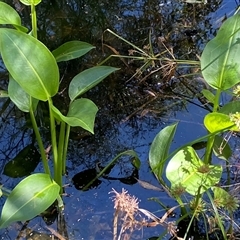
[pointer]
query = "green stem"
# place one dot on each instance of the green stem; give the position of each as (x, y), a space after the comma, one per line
(61, 144)
(34, 21)
(217, 216)
(64, 158)
(40, 143)
(228, 175)
(57, 174)
(183, 208)
(216, 100)
(207, 157)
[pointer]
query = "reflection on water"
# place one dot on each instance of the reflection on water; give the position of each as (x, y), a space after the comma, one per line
(131, 112)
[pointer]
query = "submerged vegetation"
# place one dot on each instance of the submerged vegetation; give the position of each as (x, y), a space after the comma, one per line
(198, 178)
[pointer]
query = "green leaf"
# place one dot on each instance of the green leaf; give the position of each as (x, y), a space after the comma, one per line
(87, 79)
(8, 15)
(187, 169)
(82, 113)
(218, 121)
(20, 98)
(24, 163)
(220, 58)
(30, 2)
(136, 162)
(159, 149)
(221, 148)
(29, 198)
(71, 50)
(30, 63)
(3, 94)
(231, 107)
(222, 199)
(208, 95)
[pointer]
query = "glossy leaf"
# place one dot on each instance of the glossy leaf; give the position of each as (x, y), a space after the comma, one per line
(87, 79)
(82, 113)
(24, 163)
(71, 50)
(221, 148)
(30, 63)
(29, 198)
(220, 58)
(20, 98)
(8, 15)
(208, 95)
(218, 121)
(187, 169)
(30, 2)
(231, 107)
(159, 149)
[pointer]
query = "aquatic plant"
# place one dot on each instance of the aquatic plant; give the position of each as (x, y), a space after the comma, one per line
(33, 77)
(193, 177)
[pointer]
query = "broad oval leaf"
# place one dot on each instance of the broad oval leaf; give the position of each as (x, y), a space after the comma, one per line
(231, 107)
(187, 170)
(8, 15)
(20, 98)
(30, 2)
(71, 50)
(220, 58)
(29, 198)
(82, 113)
(87, 79)
(30, 63)
(159, 149)
(218, 121)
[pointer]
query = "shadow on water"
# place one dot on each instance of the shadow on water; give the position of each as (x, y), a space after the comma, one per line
(131, 111)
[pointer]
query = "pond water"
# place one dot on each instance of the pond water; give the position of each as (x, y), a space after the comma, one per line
(129, 115)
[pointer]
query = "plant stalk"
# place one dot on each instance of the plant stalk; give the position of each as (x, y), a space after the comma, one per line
(65, 149)
(40, 143)
(57, 174)
(61, 144)
(210, 142)
(34, 21)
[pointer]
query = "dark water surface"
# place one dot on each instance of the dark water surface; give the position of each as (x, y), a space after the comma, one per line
(129, 115)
